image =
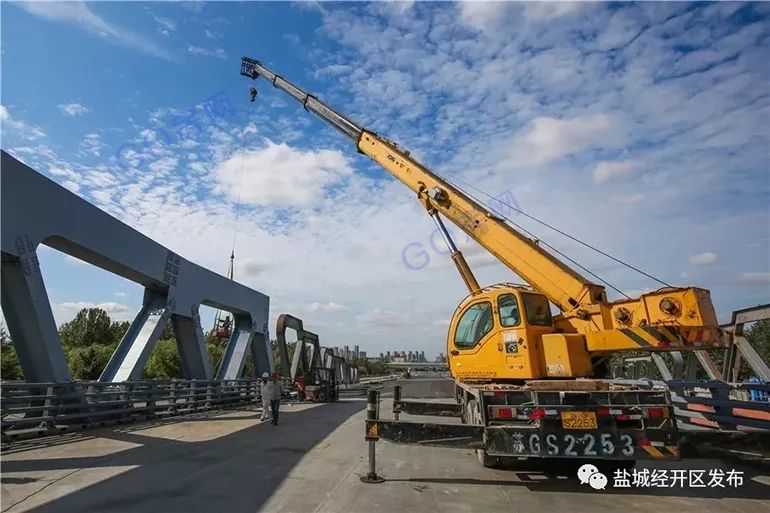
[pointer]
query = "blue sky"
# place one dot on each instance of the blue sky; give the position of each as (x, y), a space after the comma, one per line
(642, 128)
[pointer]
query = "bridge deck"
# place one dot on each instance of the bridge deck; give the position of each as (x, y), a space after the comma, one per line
(231, 462)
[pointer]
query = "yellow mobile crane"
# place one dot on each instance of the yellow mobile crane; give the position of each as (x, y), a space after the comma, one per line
(503, 336)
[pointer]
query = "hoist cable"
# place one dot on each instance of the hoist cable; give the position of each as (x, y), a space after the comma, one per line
(561, 232)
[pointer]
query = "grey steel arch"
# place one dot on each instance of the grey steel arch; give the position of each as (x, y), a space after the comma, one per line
(36, 210)
(309, 353)
(286, 321)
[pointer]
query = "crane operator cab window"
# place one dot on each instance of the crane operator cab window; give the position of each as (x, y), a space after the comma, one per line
(473, 325)
(537, 309)
(509, 310)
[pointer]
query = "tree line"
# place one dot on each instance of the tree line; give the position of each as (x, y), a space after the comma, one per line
(90, 339)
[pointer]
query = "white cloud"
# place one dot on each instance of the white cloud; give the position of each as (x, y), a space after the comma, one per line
(73, 109)
(219, 53)
(66, 311)
(493, 17)
(165, 25)
(92, 144)
(754, 278)
(705, 258)
(164, 165)
(611, 170)
(81, 16)
(548, 139)
(17, 127)
(481, 16)
(530, 105)
(547, 10)
(281, 175)
(328, 307)
(120, 294)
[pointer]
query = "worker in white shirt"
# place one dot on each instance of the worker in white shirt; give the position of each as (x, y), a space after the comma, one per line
(266, 392)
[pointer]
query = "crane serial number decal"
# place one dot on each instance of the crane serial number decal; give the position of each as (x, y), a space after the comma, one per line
(594, 444)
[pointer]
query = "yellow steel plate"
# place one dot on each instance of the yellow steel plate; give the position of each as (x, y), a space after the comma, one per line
(578, 420)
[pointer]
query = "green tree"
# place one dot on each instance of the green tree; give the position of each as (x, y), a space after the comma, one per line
(164, 362)
(87, 363)
(168, 332)
(216, 351)
(290, 347)
(10, 368)
(372, 368)
(118, 329)
(758, 335)
(90, 326)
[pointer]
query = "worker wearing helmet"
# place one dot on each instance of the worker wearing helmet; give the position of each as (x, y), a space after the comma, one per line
(266, 392)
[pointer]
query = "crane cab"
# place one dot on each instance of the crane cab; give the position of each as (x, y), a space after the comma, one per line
(506, 332)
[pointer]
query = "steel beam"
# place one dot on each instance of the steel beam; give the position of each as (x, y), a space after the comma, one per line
(36, 210)
(757, 364)
(746, 315)
(660, 363)
(240, 343)
(133, 351)
(313, 348)
(190, 344)
(261, 355)
(711, 368)
(286, 321)
(29, 317)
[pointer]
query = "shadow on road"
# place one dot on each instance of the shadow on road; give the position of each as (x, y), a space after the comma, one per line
(234, 473)
(538, 476)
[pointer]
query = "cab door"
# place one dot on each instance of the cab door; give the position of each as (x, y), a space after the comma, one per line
(519, 358)
(471, 348)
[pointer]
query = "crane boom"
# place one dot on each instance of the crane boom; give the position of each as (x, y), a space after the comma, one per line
(687, 313)
(562, 285)
(252, 68)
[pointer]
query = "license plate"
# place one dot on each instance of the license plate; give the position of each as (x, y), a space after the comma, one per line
(578, 420)
(585, 444)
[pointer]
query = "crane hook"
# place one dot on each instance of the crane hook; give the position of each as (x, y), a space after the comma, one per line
(253, 93)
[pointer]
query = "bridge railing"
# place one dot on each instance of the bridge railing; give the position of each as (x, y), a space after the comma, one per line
(39, 408)
(715, 405)
(722, 406)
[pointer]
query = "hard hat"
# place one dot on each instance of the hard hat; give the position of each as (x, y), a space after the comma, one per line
(265, 375)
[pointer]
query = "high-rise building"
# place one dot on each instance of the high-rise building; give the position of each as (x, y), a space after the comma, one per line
(346, 352)
(362, 355)
(355, 352)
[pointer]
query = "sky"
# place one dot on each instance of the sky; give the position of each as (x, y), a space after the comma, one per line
(643, 129)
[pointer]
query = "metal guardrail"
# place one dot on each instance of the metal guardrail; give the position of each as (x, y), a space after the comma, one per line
(722, 406)
(716, 405)
(47, 408)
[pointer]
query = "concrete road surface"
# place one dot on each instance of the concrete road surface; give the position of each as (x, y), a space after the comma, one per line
(233, 463)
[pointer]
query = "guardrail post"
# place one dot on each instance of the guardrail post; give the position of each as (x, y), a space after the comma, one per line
(396, 401)
(47, 414)
(372, 435)
(208, 394)
(720, 391)
(172, 396)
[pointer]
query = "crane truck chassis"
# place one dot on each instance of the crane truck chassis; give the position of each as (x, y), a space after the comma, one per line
(591, 419)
